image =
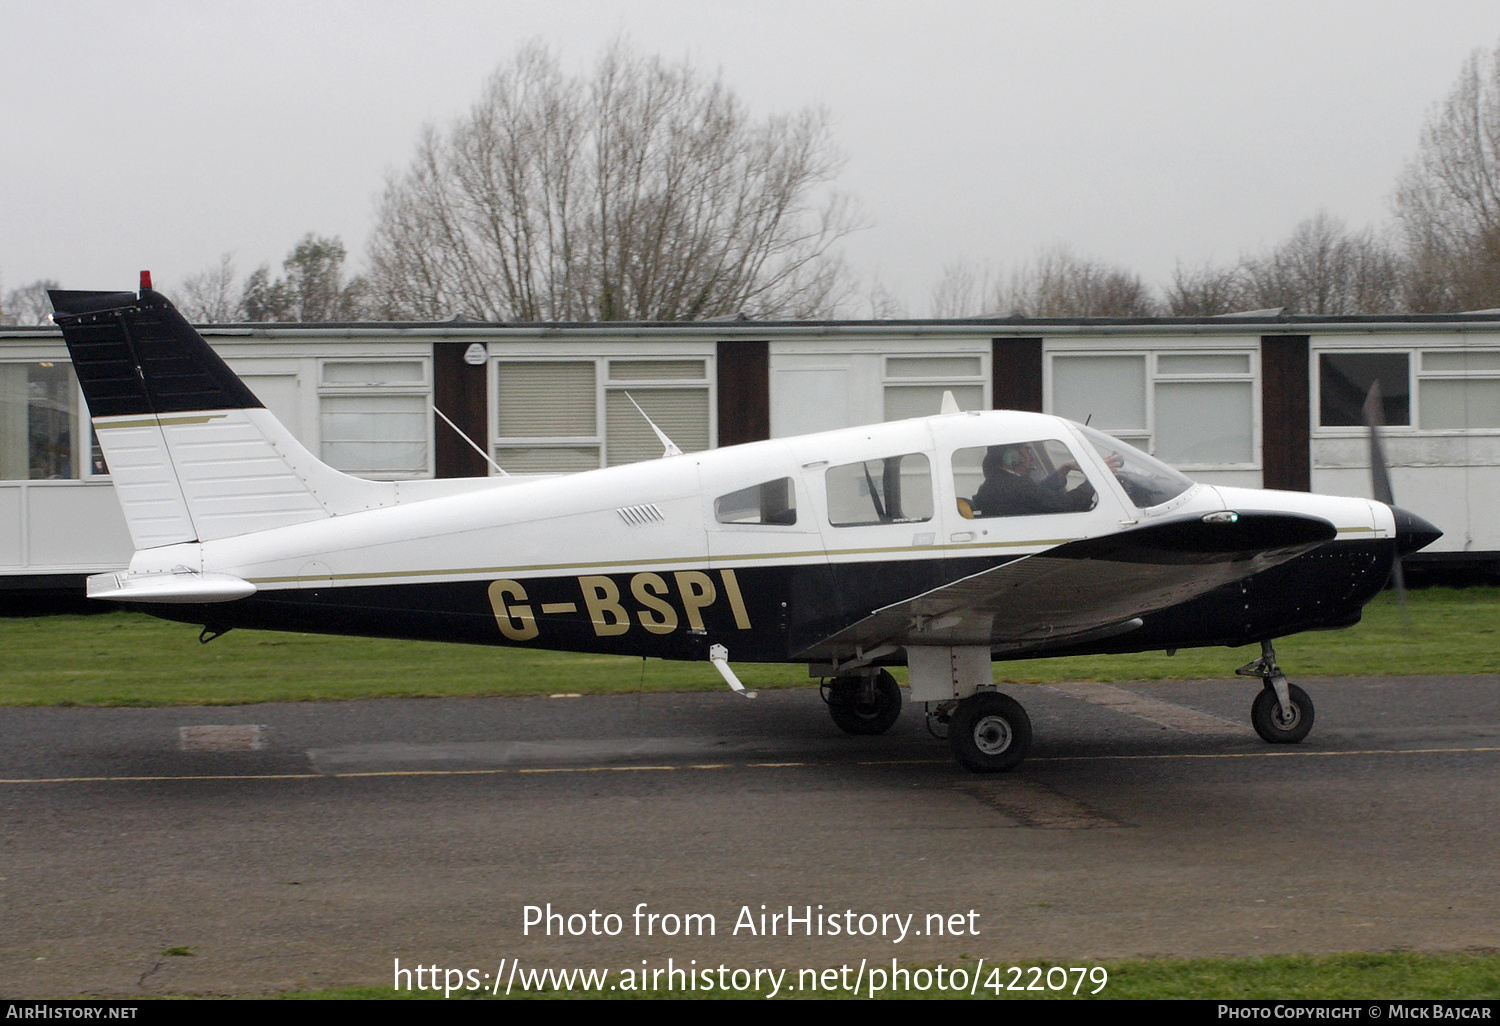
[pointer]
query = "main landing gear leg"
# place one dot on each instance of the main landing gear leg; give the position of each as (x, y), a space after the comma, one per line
(989, 732)
(1282, 714)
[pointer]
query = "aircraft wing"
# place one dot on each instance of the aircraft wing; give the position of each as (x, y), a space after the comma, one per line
(1095, 587)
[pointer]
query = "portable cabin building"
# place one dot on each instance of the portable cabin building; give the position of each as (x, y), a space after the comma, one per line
(1256, 400)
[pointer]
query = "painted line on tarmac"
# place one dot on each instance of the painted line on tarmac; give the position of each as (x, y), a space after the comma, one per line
(1260, 755)
(137, 780)
(508, 771)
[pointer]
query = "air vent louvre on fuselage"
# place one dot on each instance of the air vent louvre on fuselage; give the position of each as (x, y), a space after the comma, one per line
(638, 515)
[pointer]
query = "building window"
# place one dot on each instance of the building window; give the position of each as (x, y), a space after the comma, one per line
(673, 393)
(1107, 392)
(375, 417)
(1344, 381)
(914, 385)
(1192, 409)
(38, 421)
(1203, 411)
(1459, 390)
(559, 416)
(546, 416)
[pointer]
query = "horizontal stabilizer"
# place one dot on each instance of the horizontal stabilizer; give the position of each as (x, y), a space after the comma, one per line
(186, 586)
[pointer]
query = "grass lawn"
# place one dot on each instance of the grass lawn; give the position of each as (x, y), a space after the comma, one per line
(131, 659)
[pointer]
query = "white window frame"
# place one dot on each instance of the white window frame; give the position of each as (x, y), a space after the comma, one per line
(83, 425)
(421, 388)
(1315, 398)
(982, 378)
(1155, 376)
(602, 387)
(498, 441)
(1420, 374)
(607, 385)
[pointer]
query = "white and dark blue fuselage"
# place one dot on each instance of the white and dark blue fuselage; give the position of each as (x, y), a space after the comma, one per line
(632, 560)
(941, 542)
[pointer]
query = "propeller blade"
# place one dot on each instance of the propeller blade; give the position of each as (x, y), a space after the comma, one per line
(1380, 475)
(1380, 481)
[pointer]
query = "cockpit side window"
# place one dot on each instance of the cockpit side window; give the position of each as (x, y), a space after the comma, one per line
(1019, 479)
(893, 490)
(771, 502)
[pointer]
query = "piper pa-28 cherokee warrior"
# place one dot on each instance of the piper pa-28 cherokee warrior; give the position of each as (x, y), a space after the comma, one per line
(940, 542)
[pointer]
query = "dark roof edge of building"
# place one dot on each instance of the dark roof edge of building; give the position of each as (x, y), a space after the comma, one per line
(1021, 326)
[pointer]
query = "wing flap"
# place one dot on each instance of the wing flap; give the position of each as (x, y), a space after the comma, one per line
(1087, 586)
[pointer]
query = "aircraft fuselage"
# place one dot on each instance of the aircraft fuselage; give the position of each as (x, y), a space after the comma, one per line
(636, 560)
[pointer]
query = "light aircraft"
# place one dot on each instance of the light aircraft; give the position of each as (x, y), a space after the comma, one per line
(942, 543)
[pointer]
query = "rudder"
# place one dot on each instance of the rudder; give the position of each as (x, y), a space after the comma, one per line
(194, 454)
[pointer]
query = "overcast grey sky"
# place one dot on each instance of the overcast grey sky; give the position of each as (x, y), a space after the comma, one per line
(161, 134)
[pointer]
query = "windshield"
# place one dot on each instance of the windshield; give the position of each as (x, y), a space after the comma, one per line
(1147, 480)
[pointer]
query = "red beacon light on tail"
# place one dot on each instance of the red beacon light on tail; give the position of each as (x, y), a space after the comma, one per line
(145, 281)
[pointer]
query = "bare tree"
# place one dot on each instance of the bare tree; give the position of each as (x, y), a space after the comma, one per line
(1448, 199)
(643, 192)
(882, 302)
(1057, 283)
(1205, 291)
(965, 290)
(1060, 284)
(27, 304)
(1323, 268)
(212, 296)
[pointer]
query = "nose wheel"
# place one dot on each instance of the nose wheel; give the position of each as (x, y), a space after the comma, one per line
(1278, 725)
(1282, 714)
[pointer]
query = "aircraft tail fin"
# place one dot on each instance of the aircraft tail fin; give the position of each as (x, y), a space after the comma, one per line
(194, 455)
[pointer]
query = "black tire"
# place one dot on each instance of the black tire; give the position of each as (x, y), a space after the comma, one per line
(1276, 729)
(989, 733)
(856, 712)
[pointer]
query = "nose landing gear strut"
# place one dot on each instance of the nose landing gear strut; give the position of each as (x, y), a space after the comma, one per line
(1282, 714)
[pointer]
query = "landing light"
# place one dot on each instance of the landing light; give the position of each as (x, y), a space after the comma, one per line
(1223, 517)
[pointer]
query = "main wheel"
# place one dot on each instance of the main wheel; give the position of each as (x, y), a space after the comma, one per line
(989, 732)
(1282, 727)
(860, 707)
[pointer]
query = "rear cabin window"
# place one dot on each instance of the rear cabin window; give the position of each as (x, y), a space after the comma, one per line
(772, 502)
(1020, 479)
(893, 490)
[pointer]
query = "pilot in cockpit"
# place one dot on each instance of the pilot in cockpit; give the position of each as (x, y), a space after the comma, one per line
(1015, 485)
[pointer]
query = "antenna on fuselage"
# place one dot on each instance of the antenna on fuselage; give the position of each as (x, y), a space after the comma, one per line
(950, 404)
(671, 446)
(488, 459)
